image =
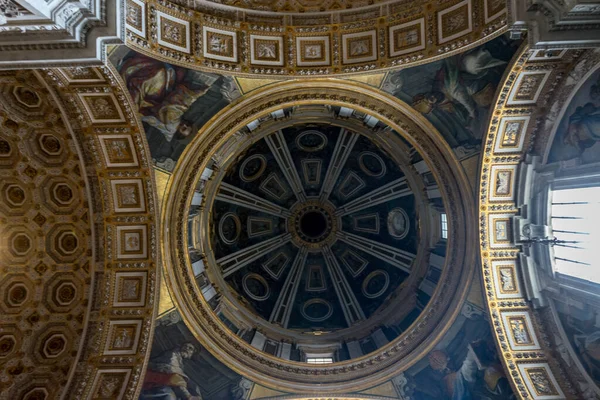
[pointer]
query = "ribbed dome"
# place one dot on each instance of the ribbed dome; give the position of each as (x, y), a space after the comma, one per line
(314, 227)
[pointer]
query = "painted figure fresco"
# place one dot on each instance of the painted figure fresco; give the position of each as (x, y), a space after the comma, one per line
(455, 94)
(578, 132)
(165, 378)
(581, 324)
(173, 102)
(464, 366)
(180, 369)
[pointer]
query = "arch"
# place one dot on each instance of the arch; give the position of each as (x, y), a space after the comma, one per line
(86, 288)
(520, 124)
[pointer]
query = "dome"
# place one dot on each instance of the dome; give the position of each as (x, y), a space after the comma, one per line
(313, 227)
(303, 233)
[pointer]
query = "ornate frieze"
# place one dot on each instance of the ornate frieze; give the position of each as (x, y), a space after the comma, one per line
(282, 42)
(533, 86)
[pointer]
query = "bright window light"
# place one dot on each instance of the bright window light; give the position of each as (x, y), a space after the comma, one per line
(319, 360)
(444, 226)
(576, 219)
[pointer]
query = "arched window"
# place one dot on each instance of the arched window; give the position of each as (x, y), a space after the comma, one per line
(575, 222)
(444, 223)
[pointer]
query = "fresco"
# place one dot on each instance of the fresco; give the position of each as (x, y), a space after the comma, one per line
(463, 366)
(173, 102)
(455, 94)
(581, 323)
(179, 368)
(578, 133)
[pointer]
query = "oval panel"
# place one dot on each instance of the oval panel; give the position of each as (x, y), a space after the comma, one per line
(371, 164)
(317, 310)
(256, 287)
(230, 228)
(253, 167)
(375, 284)
(398, 223)
(311, 141)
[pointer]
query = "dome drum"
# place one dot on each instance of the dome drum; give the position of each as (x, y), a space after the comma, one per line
(329, 181)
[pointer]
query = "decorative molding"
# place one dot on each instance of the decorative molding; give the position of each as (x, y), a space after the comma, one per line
(555, 24)
(264, 40)
(518, 335)
(61, 33)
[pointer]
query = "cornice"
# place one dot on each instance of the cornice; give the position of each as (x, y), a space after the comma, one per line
(270, 43)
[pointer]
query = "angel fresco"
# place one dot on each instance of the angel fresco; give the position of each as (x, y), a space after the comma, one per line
(584, 127)
(583, 332)
(455, 94)
(466, 367)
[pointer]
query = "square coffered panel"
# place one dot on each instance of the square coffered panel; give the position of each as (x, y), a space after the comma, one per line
(359, 47)
(313, 51)
(266, 50)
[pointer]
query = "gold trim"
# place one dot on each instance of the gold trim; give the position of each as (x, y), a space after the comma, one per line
(245, 24)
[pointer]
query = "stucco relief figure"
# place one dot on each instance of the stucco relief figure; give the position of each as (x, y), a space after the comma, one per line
(506, 276)
(165, 378)
(218, 44)
(267, 50)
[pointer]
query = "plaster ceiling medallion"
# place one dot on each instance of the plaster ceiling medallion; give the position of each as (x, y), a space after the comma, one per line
(311, 231)
(304, 38)
(67, 300)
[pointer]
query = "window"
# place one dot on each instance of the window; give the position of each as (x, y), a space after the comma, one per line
(575, 215)
(444, 226)
(319, 360)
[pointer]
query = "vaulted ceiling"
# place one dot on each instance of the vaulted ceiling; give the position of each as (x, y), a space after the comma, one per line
(176, 205)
